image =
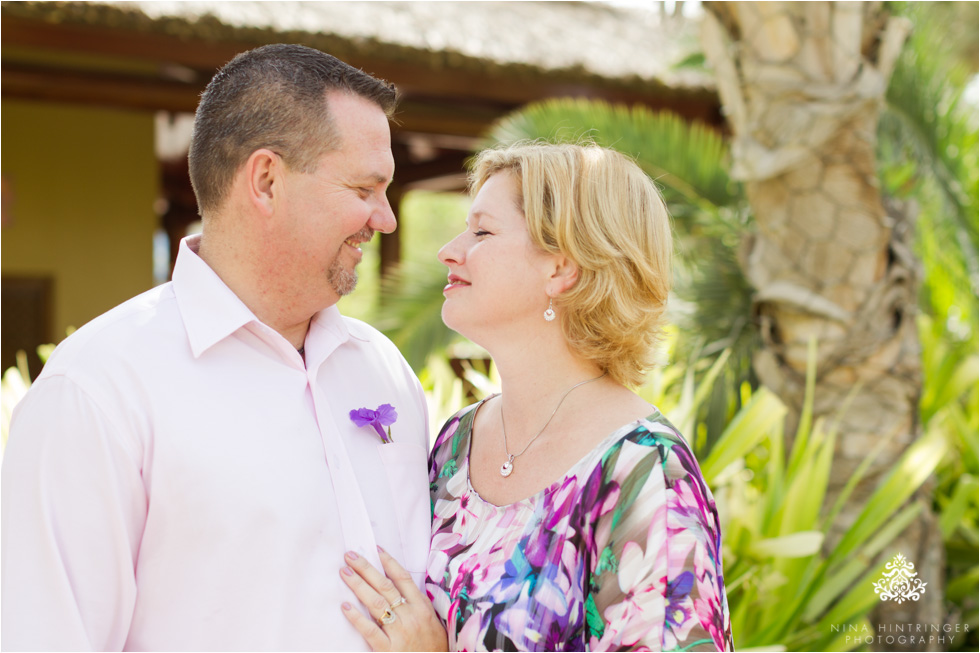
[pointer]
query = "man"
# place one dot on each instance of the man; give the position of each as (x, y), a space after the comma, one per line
(185, 474)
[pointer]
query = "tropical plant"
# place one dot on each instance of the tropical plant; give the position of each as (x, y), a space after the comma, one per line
(949, 410)
(928, 153)
(790, 584)
(928, 142)
(802, 85)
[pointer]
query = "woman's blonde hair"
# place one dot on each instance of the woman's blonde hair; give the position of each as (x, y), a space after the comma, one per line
(597, 208)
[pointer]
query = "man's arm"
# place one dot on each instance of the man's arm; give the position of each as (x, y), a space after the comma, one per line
(73, 510)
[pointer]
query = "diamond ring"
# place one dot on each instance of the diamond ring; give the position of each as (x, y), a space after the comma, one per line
(387, 617)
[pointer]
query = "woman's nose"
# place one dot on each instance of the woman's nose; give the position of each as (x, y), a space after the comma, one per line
(451, 252)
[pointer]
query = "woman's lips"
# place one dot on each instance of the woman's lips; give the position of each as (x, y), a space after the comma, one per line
(455, 282)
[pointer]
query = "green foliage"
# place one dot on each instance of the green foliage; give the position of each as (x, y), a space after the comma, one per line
(949, 410)
(785, 589)
(688, 160)
(928, 150)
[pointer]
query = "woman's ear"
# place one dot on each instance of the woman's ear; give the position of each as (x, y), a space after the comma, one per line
(263, 176)
(563, 276)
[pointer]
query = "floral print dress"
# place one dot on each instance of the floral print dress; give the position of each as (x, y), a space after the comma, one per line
(623, 553)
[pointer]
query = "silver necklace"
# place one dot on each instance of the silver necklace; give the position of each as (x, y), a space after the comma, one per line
(508, 467)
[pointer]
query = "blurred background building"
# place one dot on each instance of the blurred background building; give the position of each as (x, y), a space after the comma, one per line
(98, 100)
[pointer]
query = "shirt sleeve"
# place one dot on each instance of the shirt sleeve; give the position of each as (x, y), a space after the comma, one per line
(656, 579)
(73, 510)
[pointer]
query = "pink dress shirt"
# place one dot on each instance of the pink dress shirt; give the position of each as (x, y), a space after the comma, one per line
(178, 479)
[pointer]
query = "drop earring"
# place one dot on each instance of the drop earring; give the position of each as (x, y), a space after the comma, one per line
(549, 314)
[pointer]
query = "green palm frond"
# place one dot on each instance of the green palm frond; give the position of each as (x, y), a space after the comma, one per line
(928, 148)
(688, 159)
(929, 122)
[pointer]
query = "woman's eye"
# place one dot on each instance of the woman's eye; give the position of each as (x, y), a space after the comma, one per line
(480, 233)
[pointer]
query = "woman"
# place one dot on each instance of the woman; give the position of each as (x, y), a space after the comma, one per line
(568, 513)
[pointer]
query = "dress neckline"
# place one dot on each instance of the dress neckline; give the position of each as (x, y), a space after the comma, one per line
(528, 502)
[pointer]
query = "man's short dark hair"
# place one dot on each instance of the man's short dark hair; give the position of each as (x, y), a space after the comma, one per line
(273, 97)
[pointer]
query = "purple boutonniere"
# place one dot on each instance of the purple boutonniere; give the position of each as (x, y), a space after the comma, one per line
(385, 415)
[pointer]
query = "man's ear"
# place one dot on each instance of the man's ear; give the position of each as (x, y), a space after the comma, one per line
(263, 176)
(563, 276)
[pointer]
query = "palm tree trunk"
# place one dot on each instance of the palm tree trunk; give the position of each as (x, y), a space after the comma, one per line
(802, 85)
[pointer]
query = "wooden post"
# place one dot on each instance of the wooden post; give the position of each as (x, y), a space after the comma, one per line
(391, 253)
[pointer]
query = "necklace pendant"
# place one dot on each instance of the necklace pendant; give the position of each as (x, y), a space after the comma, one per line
(507, 468)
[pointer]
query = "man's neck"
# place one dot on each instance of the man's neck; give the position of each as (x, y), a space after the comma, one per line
(270, 300)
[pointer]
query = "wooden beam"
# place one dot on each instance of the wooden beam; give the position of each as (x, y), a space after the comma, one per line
(62, 84)
(421, 75)
(105, 89)
(149, 46)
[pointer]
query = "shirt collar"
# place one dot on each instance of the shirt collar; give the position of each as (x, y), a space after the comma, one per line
(211, 311)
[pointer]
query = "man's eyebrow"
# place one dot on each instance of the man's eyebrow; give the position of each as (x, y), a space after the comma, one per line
(378, 178)
(372, 178)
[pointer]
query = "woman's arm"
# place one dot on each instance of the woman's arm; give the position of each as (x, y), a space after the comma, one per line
(656, 580)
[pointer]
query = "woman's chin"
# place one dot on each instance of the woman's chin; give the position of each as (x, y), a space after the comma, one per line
(449, 319)
(456, 322)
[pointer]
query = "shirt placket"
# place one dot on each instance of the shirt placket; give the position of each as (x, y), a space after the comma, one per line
(355, 521)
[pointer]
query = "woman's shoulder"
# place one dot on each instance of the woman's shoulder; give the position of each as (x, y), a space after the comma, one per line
(456, 426)
(652, 442)
(452, 442)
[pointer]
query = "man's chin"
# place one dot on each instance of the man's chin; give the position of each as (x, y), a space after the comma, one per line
(343, 282)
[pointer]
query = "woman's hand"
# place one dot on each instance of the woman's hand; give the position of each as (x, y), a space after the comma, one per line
(413, 625)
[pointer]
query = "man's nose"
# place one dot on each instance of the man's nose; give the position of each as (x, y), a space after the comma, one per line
(383, 218)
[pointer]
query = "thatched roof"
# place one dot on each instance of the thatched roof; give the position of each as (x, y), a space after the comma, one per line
(577, 39)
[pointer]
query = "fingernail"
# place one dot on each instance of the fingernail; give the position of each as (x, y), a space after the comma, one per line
(381, 550)
(348, 571)
(351, 555)
(346, 606)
